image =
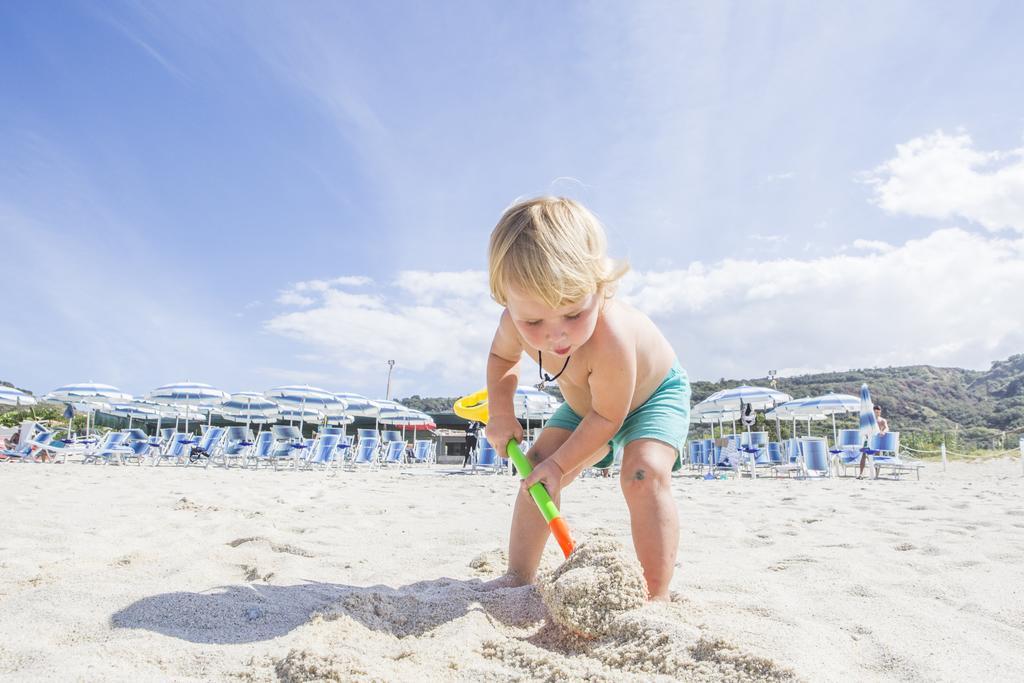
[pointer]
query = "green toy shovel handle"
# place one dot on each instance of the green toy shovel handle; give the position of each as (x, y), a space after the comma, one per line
(559, 529)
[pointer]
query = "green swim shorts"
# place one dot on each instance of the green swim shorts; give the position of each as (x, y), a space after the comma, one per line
(664, 416)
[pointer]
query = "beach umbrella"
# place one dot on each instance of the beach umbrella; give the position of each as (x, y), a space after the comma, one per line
(9, 396)
(250, 404)
(358, 405)
(252, 419)
(709, 413)
(868, 424)
(189, 394)
(303, 415)
(796, 410)
(831, 405)
(531, 403)
(406, 417)
(69, 414)
(303, 396)
(133, 411)
(758, 398)
(162, 411)
(738, 398)
(383, 404)
(90, 395)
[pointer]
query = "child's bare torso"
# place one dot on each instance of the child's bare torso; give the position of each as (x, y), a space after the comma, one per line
(654, 356)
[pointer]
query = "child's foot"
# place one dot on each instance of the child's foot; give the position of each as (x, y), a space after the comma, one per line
(505, 581)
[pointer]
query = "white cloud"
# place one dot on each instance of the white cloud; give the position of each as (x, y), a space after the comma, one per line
(942, 176)
(436, 325)
(293, 298)
(946, 299)
(872, 245)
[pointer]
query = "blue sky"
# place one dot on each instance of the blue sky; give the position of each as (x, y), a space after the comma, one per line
(252, 194)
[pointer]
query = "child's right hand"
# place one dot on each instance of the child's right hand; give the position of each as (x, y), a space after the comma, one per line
(503, 428)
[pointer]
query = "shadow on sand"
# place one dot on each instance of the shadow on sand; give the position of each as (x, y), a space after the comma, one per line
(256, 612)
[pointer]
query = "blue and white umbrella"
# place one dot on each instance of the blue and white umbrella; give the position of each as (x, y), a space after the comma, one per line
(738, 398)
(299, 413)
(9, 396)
(383, 404)
(530, 403)
(305, 396)
(710, 414)
(163, 411)
(832, 404)
(133, 411)
(358, 405)
(341, 419)
(189, 394)
(250, 406)
(406, 417)
(817, 408)
(89, 395)
(758, 398)
(868, 423)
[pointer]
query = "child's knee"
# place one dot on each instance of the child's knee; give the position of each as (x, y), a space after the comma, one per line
(645, 474)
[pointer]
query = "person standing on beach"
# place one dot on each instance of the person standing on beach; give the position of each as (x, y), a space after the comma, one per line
(472, 429)
(622, 383)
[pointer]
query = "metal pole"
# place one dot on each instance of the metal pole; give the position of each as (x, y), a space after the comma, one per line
(387, 392)
(943, 449)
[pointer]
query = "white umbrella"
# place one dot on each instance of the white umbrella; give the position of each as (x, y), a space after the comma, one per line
(251, 419)
(759, 398)
(358, 405)
(826, 405)
(406, 417)
(250, 404)
(162, 411)
(9, 396)
(133, 411)
(531, 403)
(304, 396)
(88, 394)
(383, 404)
(188, 394)
(710, 414)
(299, 413)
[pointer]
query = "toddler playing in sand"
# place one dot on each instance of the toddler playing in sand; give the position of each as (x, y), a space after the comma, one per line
(620, 378)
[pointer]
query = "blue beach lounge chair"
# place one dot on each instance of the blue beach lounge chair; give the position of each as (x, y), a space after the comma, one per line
(366, 452)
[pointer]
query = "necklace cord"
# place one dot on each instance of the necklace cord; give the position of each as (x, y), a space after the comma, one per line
(545, 377)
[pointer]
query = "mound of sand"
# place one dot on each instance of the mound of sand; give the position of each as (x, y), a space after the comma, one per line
(598, 582)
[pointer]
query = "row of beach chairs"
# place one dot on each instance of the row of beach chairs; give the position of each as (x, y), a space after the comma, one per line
(751, 452)
(281, 446)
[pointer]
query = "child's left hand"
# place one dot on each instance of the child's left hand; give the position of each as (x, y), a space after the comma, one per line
(548, 473)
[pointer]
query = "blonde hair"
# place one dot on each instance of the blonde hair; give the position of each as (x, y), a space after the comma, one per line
(552, 248)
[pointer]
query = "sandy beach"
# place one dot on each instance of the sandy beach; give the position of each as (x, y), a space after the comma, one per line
(140, 573)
